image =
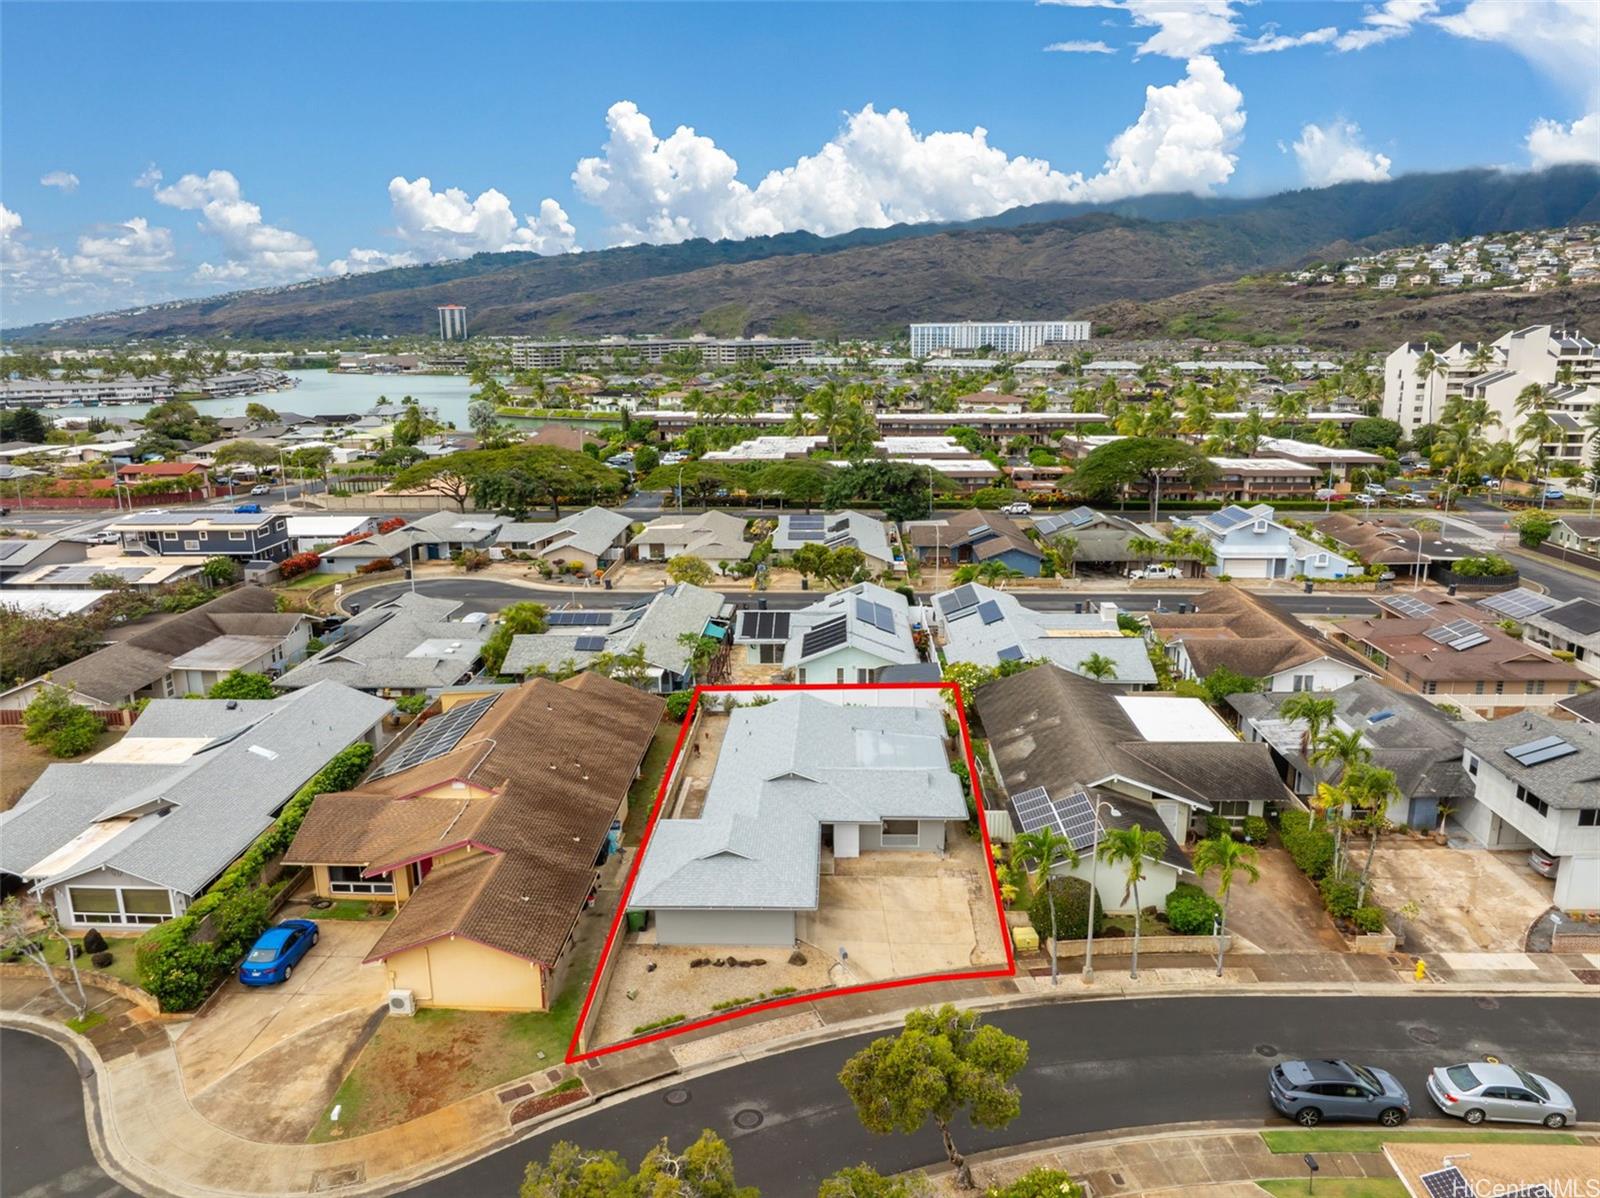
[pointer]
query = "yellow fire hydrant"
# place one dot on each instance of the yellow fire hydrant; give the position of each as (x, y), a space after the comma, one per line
(1421, 970)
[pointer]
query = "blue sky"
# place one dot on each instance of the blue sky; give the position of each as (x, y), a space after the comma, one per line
(157, 151)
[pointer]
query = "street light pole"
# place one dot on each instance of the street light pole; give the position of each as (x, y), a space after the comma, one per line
(1416, 574)
(1094, 892)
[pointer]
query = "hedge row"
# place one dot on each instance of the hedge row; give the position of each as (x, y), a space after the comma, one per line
(1312, 850)
(1191, 911)
(179, 971)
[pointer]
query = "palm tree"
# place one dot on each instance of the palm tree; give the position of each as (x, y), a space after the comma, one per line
(1225, 855)
(1044, 850)
(1428, 364)
(1252, 431)
(1370, 789)
(1330, 435)
(1335, 746)
(1482, 357)
(1316, 713)
(1098, 666)
(994, 570)
(1131, 846)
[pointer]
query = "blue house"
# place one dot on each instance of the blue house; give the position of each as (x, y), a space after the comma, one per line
(243, 536)
(974, 536)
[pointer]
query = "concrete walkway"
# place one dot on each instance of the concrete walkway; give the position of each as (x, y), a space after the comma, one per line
(146, 1129)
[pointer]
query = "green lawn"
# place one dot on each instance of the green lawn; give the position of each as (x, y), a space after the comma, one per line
(307, 582)
(123, 967)
(436, 1057)
(1336, 1187)
(351, 909)
(642, 794)
(1376, 1138)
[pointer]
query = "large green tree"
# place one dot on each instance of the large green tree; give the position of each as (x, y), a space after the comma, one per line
(238, 685)
(942, 1064)
(1112, 468)
(516, 620)
(58, 725)
(902, 490)
(703, 1170)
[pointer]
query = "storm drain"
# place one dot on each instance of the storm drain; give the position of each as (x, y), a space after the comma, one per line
(1266, 1050)
(676, 1096)
(324, 1180)
(749, 1118)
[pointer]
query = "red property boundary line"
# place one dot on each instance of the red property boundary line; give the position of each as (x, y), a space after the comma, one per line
(574, 1056)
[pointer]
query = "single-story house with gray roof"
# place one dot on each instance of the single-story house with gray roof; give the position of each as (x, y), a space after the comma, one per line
(792, 777)
(594, 537)
(132, 835)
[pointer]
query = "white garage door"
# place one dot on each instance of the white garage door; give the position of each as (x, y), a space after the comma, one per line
(1250, 567)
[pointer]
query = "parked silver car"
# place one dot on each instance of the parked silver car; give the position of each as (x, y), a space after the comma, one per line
(1476, 1091)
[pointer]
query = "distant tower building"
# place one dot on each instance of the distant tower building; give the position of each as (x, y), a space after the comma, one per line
(452, 322)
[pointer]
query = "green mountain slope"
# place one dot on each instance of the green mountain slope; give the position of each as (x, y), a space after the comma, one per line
(1047, 260)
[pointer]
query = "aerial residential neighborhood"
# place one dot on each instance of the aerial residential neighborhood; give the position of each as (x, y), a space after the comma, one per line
(797, 600)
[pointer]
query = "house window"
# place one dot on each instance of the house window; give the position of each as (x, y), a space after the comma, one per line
(800, 675)
(1532, 800)
(1499, 688)
(347, 879)
(1305, 682)
(1430, 688)
(111, 905)
(238, 536)
(1232, 808)
(1472, 765)
(838, 675)
(770, 655)
(1534, 688)
(169, 536)
(900, 832)
(1589, 818)
(1477, 687)
(863, 675)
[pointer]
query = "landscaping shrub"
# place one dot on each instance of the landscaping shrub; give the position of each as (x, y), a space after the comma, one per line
(178, 971)
(1311, 847)
(298, 564)
(376, 566)
(1191, 911)
(58, 725)
(102, 960)
(1039, 1183)
(1339, 896)
(1368, 919)
(411, 704)
(678, 705)
(1216, 826)
(1072, 909)
(1256, 829)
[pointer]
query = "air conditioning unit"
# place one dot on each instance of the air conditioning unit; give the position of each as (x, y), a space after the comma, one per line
(402, 1002)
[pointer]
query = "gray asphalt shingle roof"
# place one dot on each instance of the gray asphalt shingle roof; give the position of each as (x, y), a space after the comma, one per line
(185, 820)
(1569, 782)
(656, 623)
(1065, 638)
(783, 770)
(406, 643)
(591, 531)
(891, 646)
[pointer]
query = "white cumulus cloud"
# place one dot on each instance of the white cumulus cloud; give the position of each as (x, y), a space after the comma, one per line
(1184, 28)
(1079, 48)
(65, 180)
(1551, 143)
(109, 262)
(879, 170)
(254, 251)
(122, 251)
(1334, 154)
(448, 223)
(1271, 41)
(149, 177)
(359, 261)
(1385, 22)
(10, 222)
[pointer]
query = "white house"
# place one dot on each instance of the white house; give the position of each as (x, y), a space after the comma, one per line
(986, 627)
(1538, 786)
(795, 778)
(1251, 543)
(594, 537)
(835, 529)
(850, 636)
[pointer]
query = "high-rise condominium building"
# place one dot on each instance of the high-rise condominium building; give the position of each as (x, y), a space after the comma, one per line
(452, 322)
(1001, 336)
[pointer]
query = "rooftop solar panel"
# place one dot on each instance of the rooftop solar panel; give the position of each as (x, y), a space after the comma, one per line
(1410, 606)
(1447, 1183)
(1077, 820)
(578, 619)
(824, 636)
(1469, 640)
(591, 644)
(990, 611)
(958, 602)
(1537, 752)
(1518, 604)
(1229, 516)
(1010, 653)
(435, 738)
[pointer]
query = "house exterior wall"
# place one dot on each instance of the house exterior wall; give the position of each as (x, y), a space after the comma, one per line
(773, 928)
(930, 838)
(268, 541)
(468, 976)
(848, 658)
(1110, 882)
(1322, 675)
(122, 917)
(846, 840)
(322, 887)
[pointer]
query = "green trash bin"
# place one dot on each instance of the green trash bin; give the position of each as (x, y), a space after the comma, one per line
(636, 920)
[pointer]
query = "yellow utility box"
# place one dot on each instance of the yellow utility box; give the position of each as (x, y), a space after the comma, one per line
(1025, 938)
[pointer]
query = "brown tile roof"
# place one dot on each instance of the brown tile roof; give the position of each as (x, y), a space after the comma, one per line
(559, 757)
(958, 529)
(1492, 1168)
(1388, 542)
(563, 436)
(1242, 631)
(1501, 658)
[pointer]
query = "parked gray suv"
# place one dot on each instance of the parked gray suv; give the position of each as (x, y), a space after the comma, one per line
(1310, 1091)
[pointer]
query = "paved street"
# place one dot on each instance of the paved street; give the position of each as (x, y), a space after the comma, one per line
(44, 1147)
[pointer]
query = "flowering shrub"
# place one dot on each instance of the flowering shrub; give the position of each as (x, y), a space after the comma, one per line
(300, 563)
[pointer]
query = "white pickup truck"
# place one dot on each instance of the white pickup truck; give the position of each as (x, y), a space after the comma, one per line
(1155, 572)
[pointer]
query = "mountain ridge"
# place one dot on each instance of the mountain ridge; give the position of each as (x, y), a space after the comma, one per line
(1048, 260)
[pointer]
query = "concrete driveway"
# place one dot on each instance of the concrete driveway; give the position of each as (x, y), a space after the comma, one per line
(1468, 900)
(1281, 913)
(264, 1061)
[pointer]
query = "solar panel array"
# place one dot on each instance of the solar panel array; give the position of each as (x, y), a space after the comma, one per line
(990, 611)
(765, 626)
(1071, 817)
(1519, 604)
(1447, 1183)
(1229, 516)
(1010, 653)
(578, 619)
(1537, 752)
(958, 602)
(828, 635)
(1458, 634)
(591, 644)
(75, 574)
(1410, 606)
(806, 528)
(876, 614)
(435, 738)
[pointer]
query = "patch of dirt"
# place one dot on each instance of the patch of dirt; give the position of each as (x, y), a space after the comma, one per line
(22, 763)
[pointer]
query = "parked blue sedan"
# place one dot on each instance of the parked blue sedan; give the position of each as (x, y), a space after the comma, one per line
(277, 951)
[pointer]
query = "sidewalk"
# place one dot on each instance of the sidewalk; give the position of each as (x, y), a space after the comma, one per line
(1213, 1162)
(145, 1128)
